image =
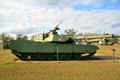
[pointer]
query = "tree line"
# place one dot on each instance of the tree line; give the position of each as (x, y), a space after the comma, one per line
(4, 37)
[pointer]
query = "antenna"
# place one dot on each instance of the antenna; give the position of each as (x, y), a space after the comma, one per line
(59, 23)
(36, 32)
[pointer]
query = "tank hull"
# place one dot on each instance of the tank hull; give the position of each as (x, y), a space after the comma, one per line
(31, 50)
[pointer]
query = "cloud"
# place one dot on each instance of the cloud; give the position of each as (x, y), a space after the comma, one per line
(115, 25)
(39, 3)
(54, 3)
(20, 29)
(22, 16)
(82, 21)
(66, 3)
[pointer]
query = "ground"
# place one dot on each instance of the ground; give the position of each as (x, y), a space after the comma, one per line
(98, 67)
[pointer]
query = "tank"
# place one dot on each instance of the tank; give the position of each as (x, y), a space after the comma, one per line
(51, 46)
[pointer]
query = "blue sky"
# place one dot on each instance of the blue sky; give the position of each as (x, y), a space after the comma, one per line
(105, 5)
(31, 16)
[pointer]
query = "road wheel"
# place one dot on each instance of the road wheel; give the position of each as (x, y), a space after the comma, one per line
(77, 56)
(42, 56)
(33, 56)
(50, 56)
(60, 56)
(23, 56)
(67, 56)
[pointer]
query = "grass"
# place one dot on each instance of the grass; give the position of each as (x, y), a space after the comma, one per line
(62, 70)
(6, 57)
(0, 47)
(59, 70)
(107, 49)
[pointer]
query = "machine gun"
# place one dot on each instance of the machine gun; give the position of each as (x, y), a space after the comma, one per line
(56, 28)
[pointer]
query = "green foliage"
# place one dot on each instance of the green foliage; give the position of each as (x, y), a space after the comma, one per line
(21, 37)
(70, 32)
(32, 37)
(25, 38)
(5, 38)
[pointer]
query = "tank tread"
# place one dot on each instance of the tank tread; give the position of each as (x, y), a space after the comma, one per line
(50, 56)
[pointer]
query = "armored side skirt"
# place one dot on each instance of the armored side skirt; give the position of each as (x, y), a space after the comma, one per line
(51, 50)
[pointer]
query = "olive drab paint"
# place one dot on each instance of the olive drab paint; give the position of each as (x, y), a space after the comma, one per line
(51, 46)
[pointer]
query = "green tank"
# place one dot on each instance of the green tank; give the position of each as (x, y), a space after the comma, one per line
(51, 46)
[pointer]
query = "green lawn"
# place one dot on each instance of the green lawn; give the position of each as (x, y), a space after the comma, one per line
(13, 69)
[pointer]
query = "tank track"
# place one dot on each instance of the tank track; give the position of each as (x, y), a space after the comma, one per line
(50, 56)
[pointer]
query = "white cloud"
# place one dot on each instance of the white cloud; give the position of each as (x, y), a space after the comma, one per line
(20, 29)
(26, 17)
(82, 21)
(53, 3)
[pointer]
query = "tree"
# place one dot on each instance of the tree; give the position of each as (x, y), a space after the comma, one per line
(80, 34)
(32, 38)
(21, 37)
(70, 32)
(90, 34)
(5, 37)
(25, 38)
(5, 40)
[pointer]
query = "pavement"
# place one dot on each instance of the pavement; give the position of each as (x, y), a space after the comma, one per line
(102, 57)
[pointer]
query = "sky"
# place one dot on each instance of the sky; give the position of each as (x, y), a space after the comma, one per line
(37, 16)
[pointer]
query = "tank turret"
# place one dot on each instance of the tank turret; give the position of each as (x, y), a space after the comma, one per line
(52, 36)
